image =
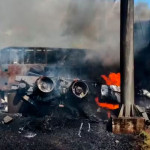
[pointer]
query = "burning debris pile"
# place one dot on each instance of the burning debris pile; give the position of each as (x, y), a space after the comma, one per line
(43, 93)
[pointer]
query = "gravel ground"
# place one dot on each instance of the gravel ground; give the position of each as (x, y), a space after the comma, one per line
(52, 134)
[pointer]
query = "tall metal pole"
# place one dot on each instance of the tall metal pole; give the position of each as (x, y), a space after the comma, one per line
(127, 55)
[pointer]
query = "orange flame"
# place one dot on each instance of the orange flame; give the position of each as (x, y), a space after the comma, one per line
(112, 79)
(106, 105)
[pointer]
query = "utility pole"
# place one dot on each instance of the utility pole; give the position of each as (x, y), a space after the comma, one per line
(131, 118)
(127, 55)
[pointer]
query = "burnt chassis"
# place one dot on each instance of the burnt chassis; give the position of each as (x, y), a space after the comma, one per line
(69, 96)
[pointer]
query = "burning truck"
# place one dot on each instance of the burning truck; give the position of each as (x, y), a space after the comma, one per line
(42, 81)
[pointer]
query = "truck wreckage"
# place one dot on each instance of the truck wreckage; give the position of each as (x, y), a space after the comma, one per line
(46, 90)
(40, 85)
(56, 92)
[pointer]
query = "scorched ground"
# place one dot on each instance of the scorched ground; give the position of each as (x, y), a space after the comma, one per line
(52, 134)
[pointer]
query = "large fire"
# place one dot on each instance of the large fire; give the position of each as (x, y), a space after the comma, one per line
(112, 79)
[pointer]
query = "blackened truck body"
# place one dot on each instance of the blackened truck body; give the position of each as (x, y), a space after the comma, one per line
(35, 78)
(39, 79)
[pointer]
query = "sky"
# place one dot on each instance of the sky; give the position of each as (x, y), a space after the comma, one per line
(143, 1)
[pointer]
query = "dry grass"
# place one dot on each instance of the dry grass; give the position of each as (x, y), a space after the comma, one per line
(145, 144)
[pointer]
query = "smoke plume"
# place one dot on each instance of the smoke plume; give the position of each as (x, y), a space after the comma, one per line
(86, 24)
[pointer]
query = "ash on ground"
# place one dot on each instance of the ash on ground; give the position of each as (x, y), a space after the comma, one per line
(50, 133)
